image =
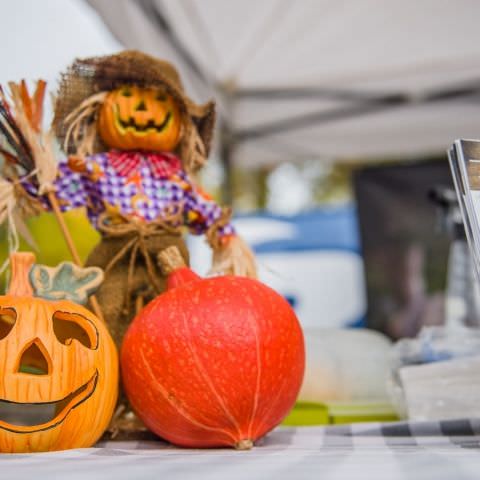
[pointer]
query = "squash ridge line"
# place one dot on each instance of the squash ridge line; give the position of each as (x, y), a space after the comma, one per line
(259, 374)
(272, 405)
(180, 410)
(274, 402)
(205, 376)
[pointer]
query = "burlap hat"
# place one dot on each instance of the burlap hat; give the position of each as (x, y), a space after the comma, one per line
(88, 76)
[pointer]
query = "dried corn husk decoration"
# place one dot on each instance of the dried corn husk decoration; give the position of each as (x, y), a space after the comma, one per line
(22, 141)
(12, 214)
(33, 158)
(28, 113)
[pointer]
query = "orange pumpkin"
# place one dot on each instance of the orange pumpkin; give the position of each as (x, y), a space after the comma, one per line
(58, 370)
(134, 118)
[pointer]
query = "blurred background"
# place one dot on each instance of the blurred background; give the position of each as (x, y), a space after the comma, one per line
(333, 122)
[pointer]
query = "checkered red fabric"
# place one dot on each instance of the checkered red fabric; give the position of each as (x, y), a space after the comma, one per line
(162, 165)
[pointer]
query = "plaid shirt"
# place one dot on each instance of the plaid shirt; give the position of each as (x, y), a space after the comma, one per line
(145, 185)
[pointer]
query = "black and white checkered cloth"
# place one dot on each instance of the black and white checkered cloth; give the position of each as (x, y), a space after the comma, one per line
(391, 451)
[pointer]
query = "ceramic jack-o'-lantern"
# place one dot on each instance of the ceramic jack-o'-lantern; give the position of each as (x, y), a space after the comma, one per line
(134, 118)
(58, 370)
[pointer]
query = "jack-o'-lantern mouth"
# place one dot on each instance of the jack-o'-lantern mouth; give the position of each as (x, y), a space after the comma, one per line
(130, 125)
(20, 417)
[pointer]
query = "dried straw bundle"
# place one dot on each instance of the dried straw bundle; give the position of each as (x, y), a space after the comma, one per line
(28, 154)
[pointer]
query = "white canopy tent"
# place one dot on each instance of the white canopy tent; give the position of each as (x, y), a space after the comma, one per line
(319, 78)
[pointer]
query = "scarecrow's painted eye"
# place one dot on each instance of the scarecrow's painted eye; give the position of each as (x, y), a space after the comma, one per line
(8, 316)
(126, 92)
(70, 326)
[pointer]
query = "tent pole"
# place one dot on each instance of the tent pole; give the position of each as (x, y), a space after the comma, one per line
(361, 107)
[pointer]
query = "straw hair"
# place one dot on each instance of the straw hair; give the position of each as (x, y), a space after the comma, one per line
(82, 128)
(86, 82)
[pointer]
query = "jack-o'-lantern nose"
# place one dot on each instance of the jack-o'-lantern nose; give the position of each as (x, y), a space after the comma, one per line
(35, 359)
(141, 107)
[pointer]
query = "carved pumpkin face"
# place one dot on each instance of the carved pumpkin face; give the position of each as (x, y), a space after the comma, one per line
(58, 375)
(133, 118)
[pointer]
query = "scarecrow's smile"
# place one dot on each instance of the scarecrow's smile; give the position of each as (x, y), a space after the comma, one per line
(131, 125)
(20, 417)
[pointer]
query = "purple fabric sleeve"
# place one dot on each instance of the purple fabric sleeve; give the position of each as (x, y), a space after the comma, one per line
(202, 212)
(70, 189)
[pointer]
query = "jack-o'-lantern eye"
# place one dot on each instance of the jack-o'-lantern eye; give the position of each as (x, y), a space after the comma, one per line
(126, 92)
(161, 96)
(8, 317)
(72, 326)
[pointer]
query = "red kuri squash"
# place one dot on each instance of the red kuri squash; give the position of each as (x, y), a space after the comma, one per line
(213, 362)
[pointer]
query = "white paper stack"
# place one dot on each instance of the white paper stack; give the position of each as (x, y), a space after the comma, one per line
(442, 390)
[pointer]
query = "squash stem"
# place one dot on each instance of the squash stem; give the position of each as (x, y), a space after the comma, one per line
(245, 444)
(170, 260)
(174, 267)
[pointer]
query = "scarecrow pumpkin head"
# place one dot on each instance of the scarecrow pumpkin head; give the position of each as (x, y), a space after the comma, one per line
(134, 118)
(131, 101)
(58, 370)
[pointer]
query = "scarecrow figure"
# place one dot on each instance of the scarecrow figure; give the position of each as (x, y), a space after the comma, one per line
(134, 141)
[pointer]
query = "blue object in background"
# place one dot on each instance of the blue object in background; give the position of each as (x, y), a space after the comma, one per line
(321, 229)
(312, 259)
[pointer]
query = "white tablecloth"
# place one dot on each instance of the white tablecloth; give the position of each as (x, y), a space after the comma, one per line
(398, 451)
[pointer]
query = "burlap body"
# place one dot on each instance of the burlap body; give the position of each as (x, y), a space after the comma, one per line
(118, 304)
(120, 300)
